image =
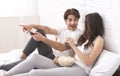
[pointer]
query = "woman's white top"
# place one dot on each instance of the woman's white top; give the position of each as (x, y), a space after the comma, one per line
(79, 62)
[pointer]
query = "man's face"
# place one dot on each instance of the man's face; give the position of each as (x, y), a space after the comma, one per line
(72, 22)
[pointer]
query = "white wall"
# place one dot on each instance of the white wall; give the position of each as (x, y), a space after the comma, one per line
(13, 8)
(12, 36)
(51, 11)
(12, 14)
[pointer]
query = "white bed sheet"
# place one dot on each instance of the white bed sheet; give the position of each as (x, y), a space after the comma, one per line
(11, 56)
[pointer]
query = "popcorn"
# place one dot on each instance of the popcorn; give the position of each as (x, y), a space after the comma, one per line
(66, 61)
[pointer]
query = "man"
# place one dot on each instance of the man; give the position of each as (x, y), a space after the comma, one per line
(71, 17)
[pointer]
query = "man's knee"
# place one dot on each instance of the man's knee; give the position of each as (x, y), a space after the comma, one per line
(42, 32)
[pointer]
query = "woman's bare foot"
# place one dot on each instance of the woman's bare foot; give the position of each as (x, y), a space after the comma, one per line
(4, 74)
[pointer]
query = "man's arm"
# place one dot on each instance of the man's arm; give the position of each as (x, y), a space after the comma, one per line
(54, 44)
(46, 29)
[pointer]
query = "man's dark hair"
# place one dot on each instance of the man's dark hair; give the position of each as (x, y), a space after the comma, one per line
(71, 11)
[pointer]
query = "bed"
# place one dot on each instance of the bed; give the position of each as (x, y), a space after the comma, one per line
(106, 65)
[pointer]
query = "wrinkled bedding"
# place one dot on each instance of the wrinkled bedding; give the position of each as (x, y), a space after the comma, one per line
(11, 56)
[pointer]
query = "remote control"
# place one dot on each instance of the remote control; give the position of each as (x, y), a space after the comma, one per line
(31, 33)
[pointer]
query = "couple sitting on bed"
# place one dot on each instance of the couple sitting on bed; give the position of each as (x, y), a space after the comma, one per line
(85, 47)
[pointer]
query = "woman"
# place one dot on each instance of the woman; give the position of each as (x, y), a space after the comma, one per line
(88, 49)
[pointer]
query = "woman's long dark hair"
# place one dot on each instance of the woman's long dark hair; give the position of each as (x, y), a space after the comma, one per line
(93, 28)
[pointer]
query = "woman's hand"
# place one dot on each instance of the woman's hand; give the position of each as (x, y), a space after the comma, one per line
(70, 41)
(56, 60)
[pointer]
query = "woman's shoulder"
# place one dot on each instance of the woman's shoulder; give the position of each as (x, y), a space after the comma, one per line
(99, 39)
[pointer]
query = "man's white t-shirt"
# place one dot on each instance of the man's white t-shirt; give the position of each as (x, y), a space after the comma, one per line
(63, 33)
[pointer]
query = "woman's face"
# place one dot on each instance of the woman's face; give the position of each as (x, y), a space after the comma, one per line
(72, 22)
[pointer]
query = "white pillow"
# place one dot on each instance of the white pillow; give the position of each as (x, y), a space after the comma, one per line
(106, 65)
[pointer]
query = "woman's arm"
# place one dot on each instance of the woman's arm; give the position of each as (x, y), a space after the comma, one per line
(96, 50)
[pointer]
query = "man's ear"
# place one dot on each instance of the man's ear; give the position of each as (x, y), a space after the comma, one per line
(66, 21)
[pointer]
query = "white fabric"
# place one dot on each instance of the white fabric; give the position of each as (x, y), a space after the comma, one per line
(12, 56)
(63, 33)
(106, 65)
(80, 62)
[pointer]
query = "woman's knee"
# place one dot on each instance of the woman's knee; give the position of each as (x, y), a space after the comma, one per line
(42, 32)
(33, 57)
(37, 72)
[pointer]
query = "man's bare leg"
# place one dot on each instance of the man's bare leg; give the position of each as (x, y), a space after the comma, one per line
(23, 56)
